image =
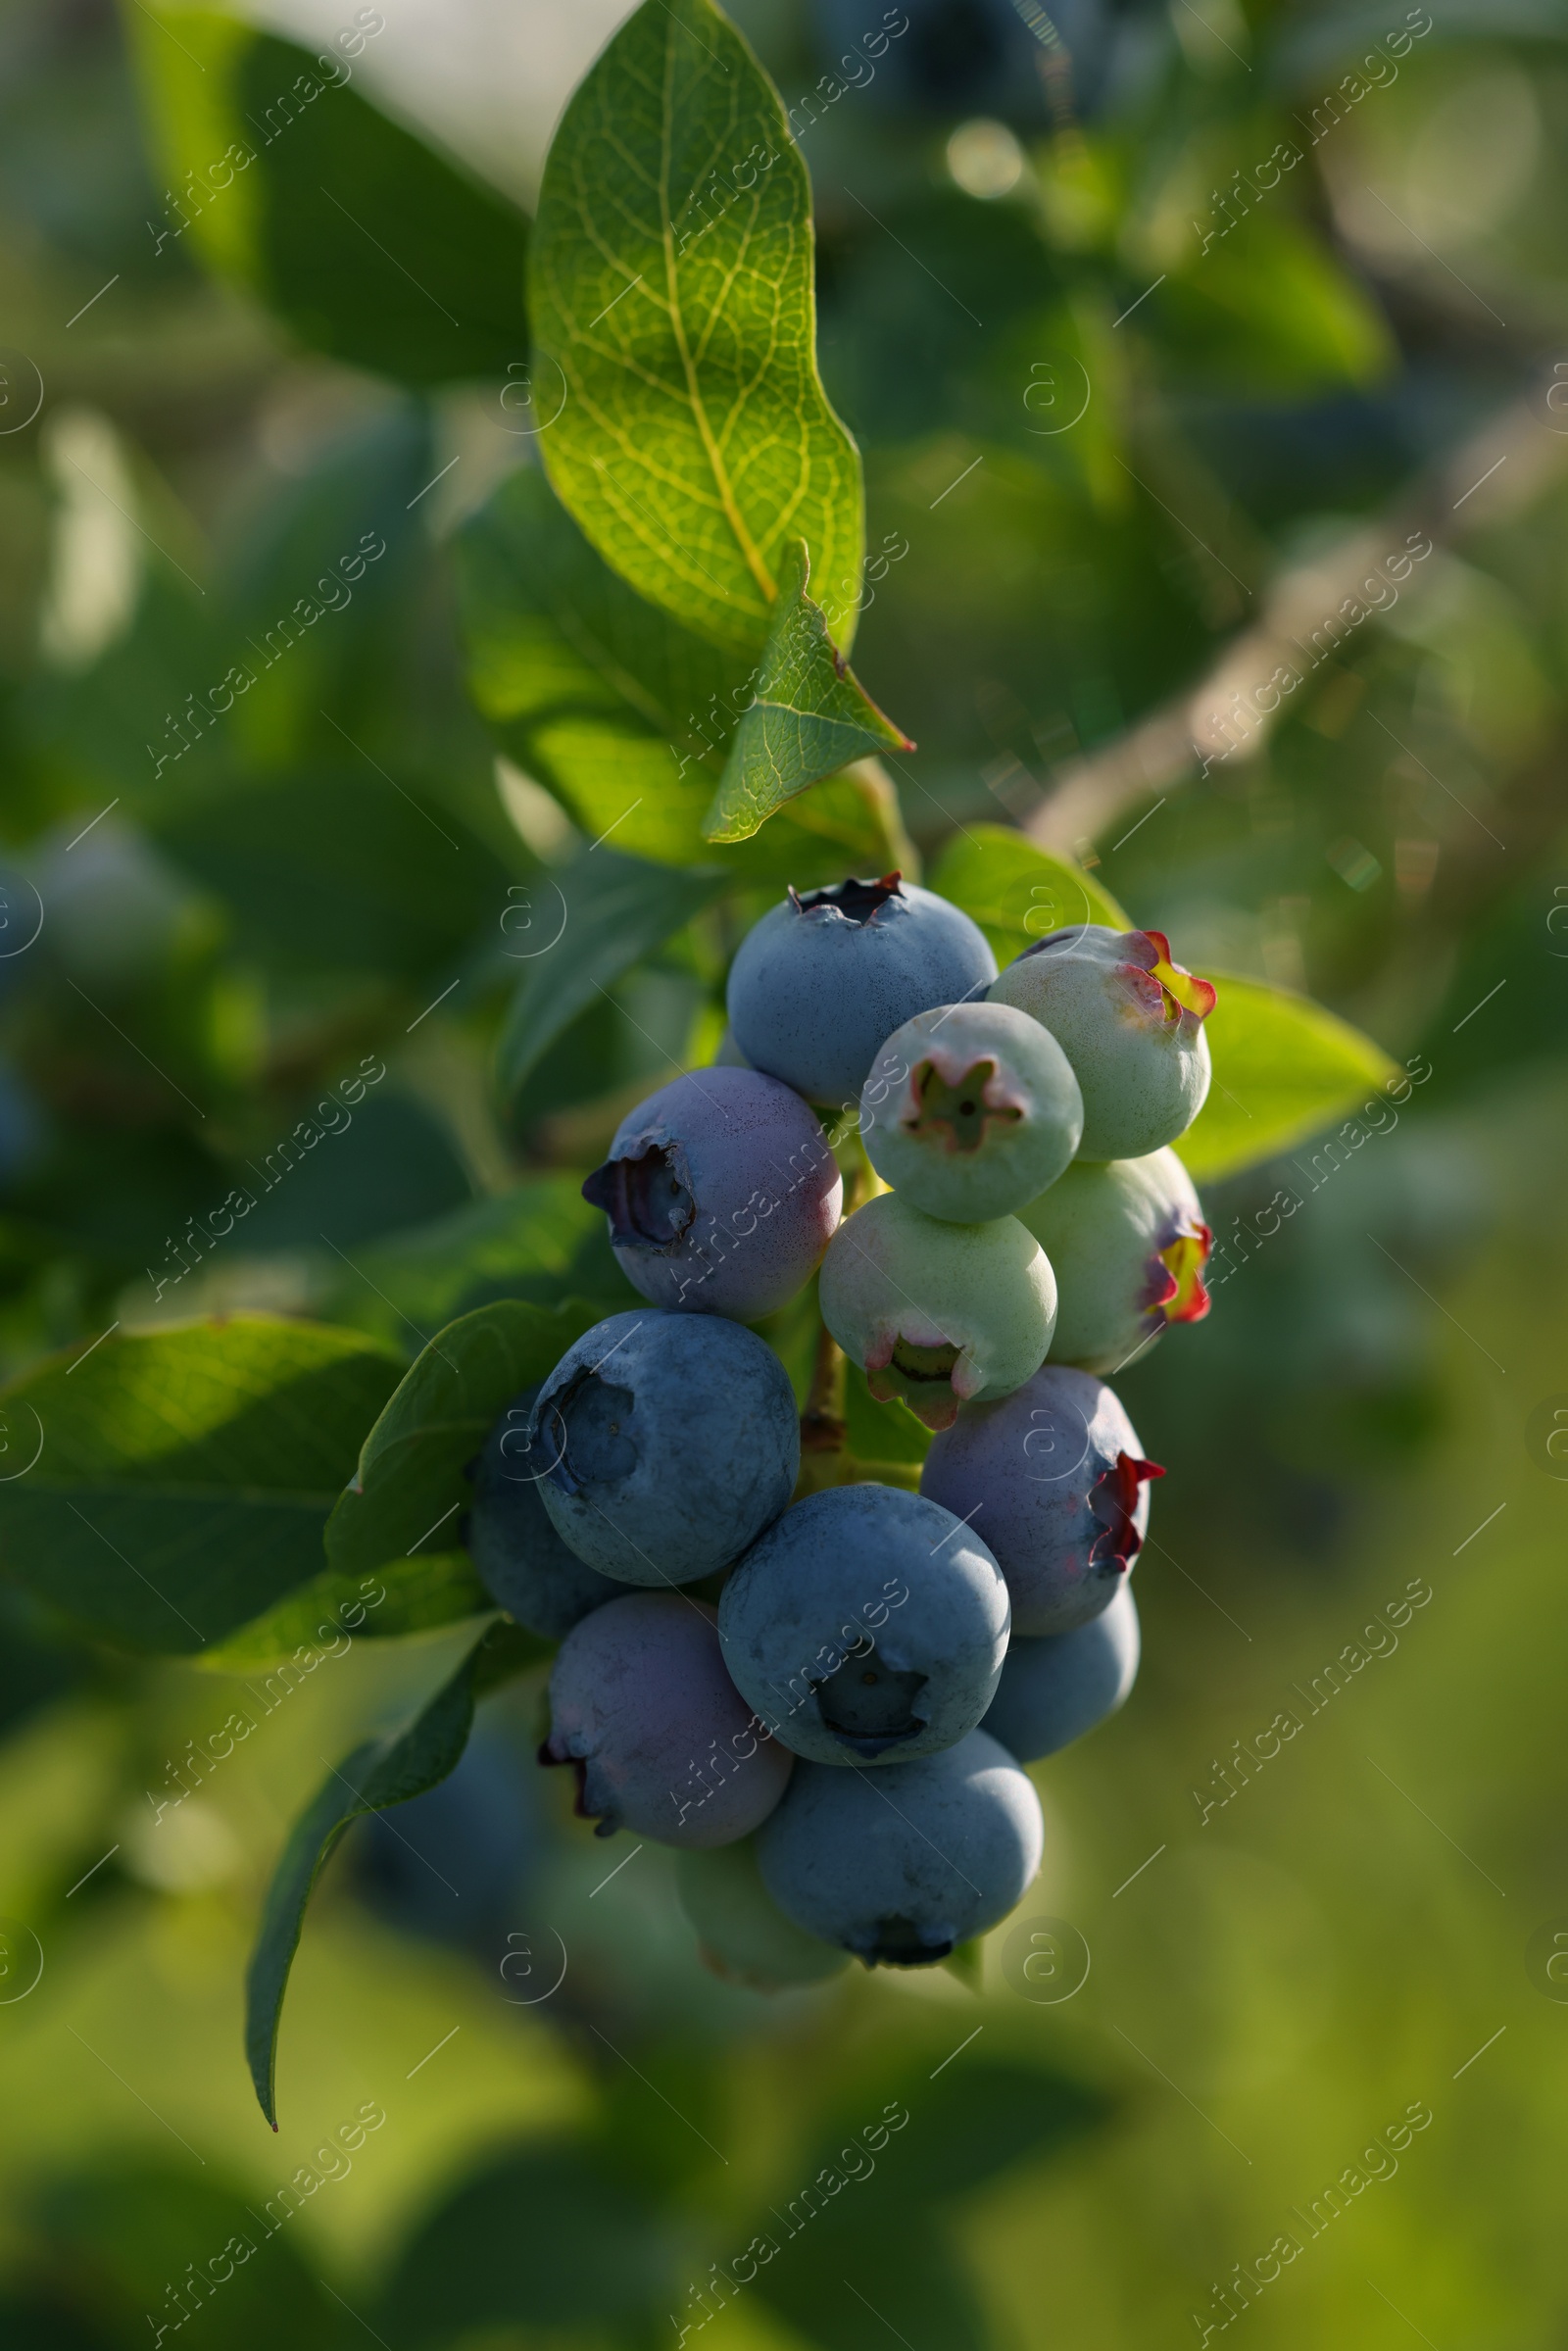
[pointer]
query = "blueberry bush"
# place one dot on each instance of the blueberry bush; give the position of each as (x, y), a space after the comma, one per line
(581, 1179)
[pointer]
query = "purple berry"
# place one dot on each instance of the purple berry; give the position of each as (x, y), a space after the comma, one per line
(970, 1111)
(1128, 1243)
(1054, 1688)
(937, 1313)
(866, 1626)
(670, 1441)
(899, 1865)
(1130, 1022)
(721, 1194)
(1056, 1478)
(663, 1742)
(824, 979)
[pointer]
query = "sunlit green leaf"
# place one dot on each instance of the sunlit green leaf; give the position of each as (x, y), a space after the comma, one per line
(184, 1476)
(1270, 303)
(1018, 892)
(1284, 1069)
(809, 716)
(372, 247)
(673, 288)
(623, 714)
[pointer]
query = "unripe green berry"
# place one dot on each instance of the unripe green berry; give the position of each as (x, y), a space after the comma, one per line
(1128, 1240)
(940, 1314)
(970, 1110)
(1130, 1022)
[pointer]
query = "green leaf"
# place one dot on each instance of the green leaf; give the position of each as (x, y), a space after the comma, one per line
(1271, 304)
(621, 711)
(848, 2273)
(186, 1475)
(546, 2237)
(1284, 1069)
(402, 1595)
(809, 718)
(380, 1771)
(126, 2220)
(1015, 892)
(373, 248)
(606, 913)
(672, 285)
(980, 2116)
(410, 1490)
(541, 1241)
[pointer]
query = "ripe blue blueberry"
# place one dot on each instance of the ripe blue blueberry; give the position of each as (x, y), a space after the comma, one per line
(1055, 1476)
(721, 1194)
(1130, 1022)
(867, 1626)
(1128, 1243)
(663, 1742)
(741, 1933)
(1054, 1688)
(937, 1313)
(899, 1865)
(521, 1559)
(670, 1441)
(970, 1111)
(824, 979)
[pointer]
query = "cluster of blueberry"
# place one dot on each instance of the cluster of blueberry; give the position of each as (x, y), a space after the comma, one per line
(832, 1727)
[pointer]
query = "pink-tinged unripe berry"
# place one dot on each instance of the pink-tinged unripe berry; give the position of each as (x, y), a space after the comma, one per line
(1129, 1245)
(721, 1194)
(663, 1742)
(1130, 1022)
(1056, 1479)
(938, 1313)
(970, 1110)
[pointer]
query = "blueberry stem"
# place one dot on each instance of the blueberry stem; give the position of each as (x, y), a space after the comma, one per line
(822, 1423)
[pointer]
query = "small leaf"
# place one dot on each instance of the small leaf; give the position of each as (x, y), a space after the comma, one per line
(672, 285)
(374, 249)
(809, 718)
(185, 1475)
(402, 1595)
(622, 712)
(410, 1492)
(380, 1771)
(1284, 1069)
(1017, 892)
(606, 913)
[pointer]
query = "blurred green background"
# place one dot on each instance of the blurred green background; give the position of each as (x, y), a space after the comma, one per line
(1126, 400)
